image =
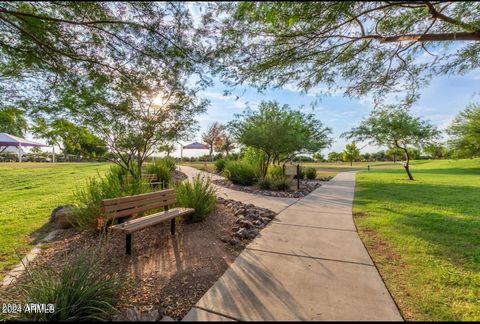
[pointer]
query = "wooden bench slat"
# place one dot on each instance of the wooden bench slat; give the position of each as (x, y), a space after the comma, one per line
(113, 201)
(150, 220)
(142, 208)
(131, 204)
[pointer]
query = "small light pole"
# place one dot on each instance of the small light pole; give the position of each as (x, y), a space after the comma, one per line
(298, 176)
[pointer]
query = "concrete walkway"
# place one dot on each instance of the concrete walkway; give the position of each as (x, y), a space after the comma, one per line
(308, 264)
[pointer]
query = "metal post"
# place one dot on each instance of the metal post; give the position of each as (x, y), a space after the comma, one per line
(172, 226)
(298, 176)
(369, 167)
(128, 244)
(19, 147)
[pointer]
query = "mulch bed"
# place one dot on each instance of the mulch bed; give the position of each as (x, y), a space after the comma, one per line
(166, 274)
(306, 187)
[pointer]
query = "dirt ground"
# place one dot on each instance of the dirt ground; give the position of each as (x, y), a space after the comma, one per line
(165, 272)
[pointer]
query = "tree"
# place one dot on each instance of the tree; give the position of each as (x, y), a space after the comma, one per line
(393, 126)
(211, 136)
(318, 157)
(367, 156)
(362, 46)
(351, 153)
(167, 148)
(465, 132)
(13, 122)
(394, 153)
(71, 138)
(225, 142)
(61, 44)
(436, 150)
(280, 132)
(335, 157)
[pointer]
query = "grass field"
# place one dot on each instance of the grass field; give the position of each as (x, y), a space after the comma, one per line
(424, 236)
(28, 194)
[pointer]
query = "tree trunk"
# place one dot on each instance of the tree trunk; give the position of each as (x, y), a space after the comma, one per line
(407, 165)
(351, 163)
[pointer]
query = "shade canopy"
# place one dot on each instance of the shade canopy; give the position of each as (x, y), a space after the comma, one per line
(196, 145)
(10, 140)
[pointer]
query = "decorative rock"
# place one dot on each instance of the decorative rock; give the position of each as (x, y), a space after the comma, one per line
(246, 224)
(60, 216)
(252, 233)
(242, 233)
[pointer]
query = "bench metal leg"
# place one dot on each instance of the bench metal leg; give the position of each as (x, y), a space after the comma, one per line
(172, 226)
(128, 244)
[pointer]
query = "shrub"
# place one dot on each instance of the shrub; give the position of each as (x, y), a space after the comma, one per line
(275, 171)
(198, 194)
(81, 290)
(265, 184)
(220, 165)
(241, 172)
(311, 173)
(163, 171)
(281, 183)
(87, 201)
(169, 163)
(256, 158)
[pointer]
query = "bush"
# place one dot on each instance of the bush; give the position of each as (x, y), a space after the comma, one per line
(265, 184)
(275, 171)
(281, 183)
(220, 165)
(311, 173)
(255, 158)
(241, 172)
(198, 194)
(88, 201)
(81, 291)
(163, 171)
(169, 163)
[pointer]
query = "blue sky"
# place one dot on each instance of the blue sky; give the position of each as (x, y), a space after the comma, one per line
(440, 101)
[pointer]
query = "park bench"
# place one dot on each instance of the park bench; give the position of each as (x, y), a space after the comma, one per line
(132, 207)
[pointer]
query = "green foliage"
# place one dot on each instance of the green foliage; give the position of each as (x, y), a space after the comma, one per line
(351, 153)
(87, 201)
(394, 127)
(265, 183)
(255, 157)
(241, 172)
(274, 171)
(279, 132)
(281, 183)
(220, 165)
(335, 157)
(198, 194)
(311, 173)
(357, 47)
(80, 291)
(13, 122)
(169, 163)
(162, 168)
(465, 132)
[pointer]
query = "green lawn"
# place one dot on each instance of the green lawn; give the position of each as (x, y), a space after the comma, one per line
(203, 166)
(28, 194)
(424, 236)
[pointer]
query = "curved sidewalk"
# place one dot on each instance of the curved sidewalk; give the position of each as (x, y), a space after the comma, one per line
(308, 264)
(276, 204)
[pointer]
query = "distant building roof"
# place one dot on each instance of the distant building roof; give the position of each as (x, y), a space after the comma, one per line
(196, 145)
(10, 140)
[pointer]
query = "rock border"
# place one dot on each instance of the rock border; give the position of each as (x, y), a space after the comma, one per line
(306, 187)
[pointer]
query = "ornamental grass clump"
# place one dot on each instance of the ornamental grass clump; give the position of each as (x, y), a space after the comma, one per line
(241, 172)
(198, 194)
(311, 173)
(163, 170)
(81, 290)
(88, 200)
